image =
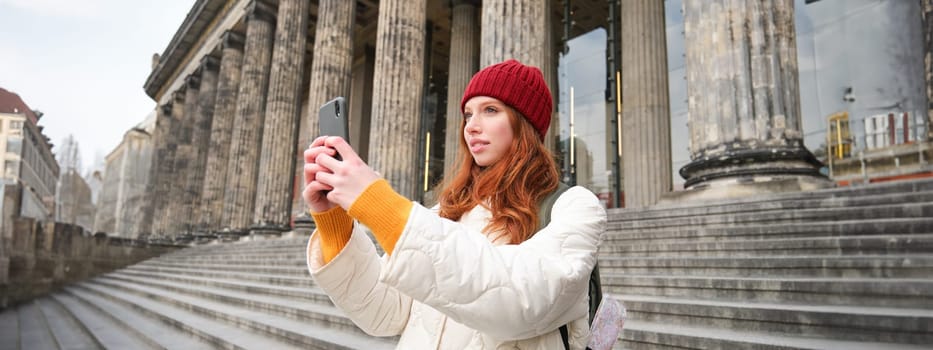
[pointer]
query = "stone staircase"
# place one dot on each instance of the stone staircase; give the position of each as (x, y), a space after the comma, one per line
(847, 268)
(248, 295)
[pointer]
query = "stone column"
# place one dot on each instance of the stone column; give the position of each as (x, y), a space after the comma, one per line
(154, 199)
(180, 215)
(549, 70)
(331, 73)
(464, 54)
(646, 119)
(926, 10)
(274, 191)
(397, 93)
(743, 95)
(243, 164)
(200, 138)
(215, 177)
(514, 29)
(167, 166)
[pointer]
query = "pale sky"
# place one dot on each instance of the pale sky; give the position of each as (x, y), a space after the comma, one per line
(84, 62)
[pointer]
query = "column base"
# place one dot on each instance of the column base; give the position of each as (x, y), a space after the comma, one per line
(748, 165)
(183, 238)
(230, 235)
(304, 225)
(750, 171)
(745, 187)
(266, 232)
(201, 237)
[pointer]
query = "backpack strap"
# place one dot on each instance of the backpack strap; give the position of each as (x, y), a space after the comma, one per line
(595, 289)
(565, 337)
(544, 218)
(544, 211)
(596, 297)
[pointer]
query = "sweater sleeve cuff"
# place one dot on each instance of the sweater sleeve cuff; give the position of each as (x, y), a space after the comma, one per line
(383, 211)
(334, 227)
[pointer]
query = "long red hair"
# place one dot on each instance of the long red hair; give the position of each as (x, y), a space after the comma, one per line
(511, 188)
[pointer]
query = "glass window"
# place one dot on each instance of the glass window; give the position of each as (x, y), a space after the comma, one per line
(14, 145)
(677, 89)
(9, 168)
(585, 118)
(847, 63)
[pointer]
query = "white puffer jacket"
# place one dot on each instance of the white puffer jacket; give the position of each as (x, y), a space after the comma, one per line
(447, 286)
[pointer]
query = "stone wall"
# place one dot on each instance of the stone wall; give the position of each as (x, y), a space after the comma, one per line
(37, 257)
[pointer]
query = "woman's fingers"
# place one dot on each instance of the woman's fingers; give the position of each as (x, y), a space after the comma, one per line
(346, 151)
(315, 195)
(317, 187)
(349, 177)
(319, 141)
(326, 178)
(310, 170)
(312, 152)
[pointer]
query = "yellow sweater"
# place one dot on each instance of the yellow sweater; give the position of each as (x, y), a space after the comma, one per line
(379, 207)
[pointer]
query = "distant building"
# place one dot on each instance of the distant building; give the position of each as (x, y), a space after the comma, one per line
(95, 180)
(27, 156)
(126, 174)
(74, 201)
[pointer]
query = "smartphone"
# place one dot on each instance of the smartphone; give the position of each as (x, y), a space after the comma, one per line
(333, 119)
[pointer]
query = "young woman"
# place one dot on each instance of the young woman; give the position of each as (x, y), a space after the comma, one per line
(474, 272)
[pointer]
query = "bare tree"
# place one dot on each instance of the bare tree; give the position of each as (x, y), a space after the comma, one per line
(69, 162)
(69, 158)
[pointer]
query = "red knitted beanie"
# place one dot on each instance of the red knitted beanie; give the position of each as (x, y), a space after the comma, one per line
(519, 86)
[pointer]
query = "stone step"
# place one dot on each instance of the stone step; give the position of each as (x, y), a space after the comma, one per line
(245, 259)
(110, 332)
(890, 188)
(858, 266)
(257, 252)
(242, 258)
(777, 216)
(69, 333)
(9, 329)
(880, 292)
(273, 242)
(250, 243)
(300, 309)
(34, 330)
(785, 230)
(239, 248)
(288, 281)
(122, 327)
(195, 252)
(763, 205)
(300, 270)
(858, 323)
(827, 246)
(269, 328)
(311, 293)
(639, 335)
(215, 331)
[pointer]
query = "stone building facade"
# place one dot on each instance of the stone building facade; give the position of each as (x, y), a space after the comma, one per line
(239, 86)
(27, 156)
(74, 202)
(127, 169)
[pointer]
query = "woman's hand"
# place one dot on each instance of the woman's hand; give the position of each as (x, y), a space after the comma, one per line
(315, 192)
(348, 178)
